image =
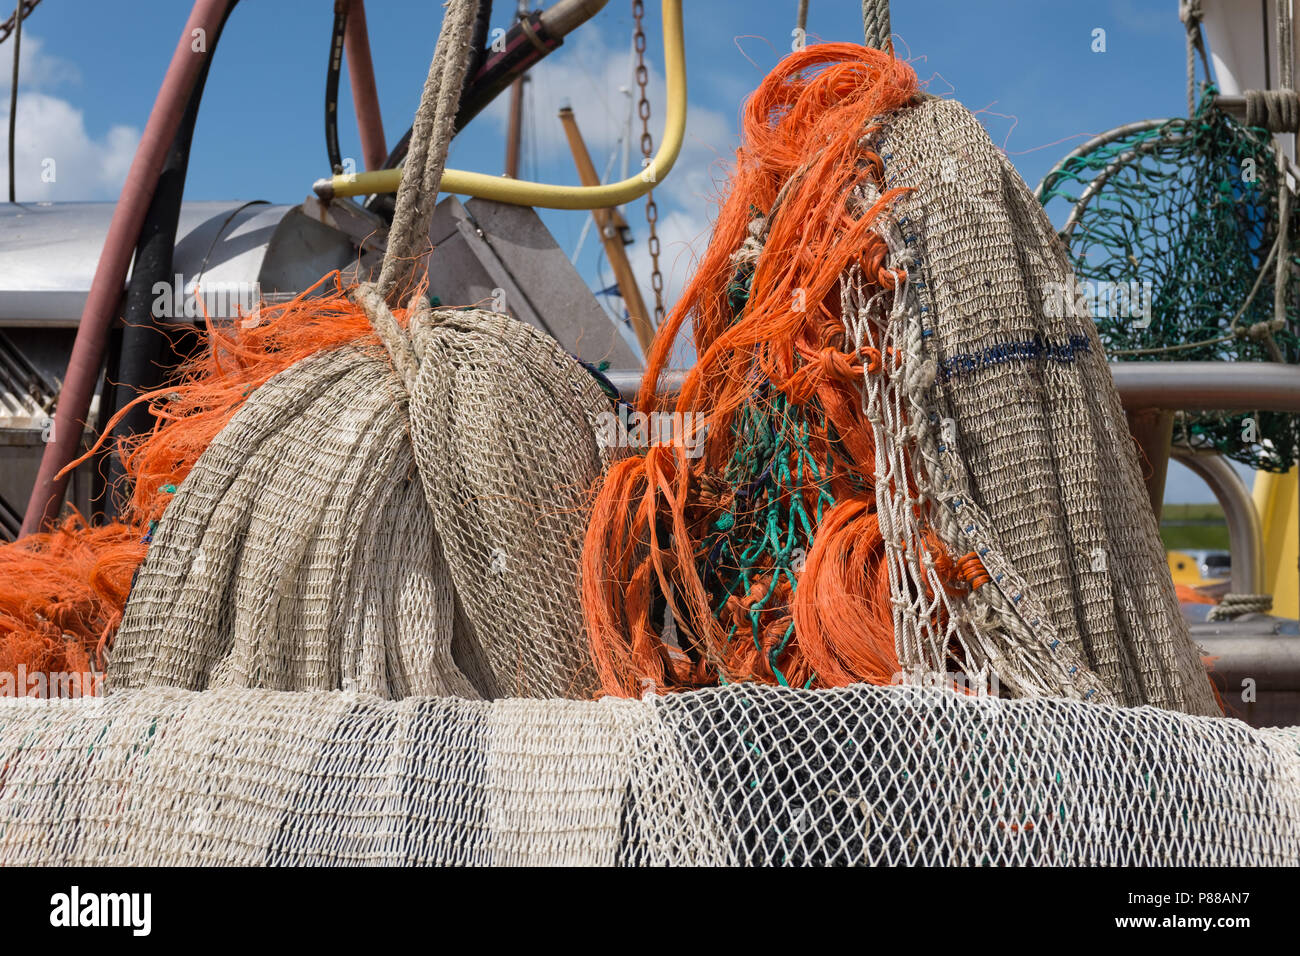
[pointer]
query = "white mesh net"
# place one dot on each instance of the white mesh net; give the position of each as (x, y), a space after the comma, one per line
(735, 775)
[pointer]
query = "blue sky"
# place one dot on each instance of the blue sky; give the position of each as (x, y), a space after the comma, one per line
(91, 69)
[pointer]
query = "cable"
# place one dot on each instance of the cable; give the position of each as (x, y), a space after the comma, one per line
(13, 96)
(332, 72)
(8, 26)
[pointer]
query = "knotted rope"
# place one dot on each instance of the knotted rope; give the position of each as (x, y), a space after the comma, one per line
(1189, 11)
(431, 135)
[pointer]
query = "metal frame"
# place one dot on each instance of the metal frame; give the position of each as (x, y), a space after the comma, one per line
(1157, 387)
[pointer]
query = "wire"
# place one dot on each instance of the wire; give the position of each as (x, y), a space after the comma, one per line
(13, 96)
(618, 319)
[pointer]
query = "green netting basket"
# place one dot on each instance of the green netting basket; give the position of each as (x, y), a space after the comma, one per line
(1172, 229)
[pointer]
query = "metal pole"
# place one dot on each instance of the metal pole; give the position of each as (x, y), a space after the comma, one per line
(1208, 386)
(1244, 537)
(365, 97)
(101, 307)
(513, 131)
(606, 222)
(1194, 386)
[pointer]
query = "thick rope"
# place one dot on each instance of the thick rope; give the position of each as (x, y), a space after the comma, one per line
(1234, 605)
(431, 134)
(875, 24)
(385, 324)
(1189, 11)
(1277, 111)
(417, 195)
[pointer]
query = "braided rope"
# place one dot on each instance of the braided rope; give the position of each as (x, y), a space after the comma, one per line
(430, 138)
(875, 24)
(1189, 11)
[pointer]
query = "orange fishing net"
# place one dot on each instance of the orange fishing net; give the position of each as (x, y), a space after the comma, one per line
(64, 591)
(764, 551)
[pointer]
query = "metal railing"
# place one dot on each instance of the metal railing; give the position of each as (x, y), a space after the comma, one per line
(1172, 386)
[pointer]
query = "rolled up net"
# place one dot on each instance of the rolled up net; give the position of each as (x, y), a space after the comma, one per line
(344, 532)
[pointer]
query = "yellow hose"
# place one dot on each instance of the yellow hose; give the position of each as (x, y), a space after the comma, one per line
(548, 195)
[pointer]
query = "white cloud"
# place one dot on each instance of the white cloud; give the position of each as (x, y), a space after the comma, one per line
(36, 69)
(57, 158)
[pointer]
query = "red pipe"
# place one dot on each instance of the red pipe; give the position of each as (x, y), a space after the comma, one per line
(365, 99)
(101, 309)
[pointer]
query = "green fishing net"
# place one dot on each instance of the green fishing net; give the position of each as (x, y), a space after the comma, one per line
(1171, 229)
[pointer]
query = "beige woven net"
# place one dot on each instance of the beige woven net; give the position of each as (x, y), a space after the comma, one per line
(396, 521)
(1005, 416)
(394, 534)
(313, 547)
(748, 775)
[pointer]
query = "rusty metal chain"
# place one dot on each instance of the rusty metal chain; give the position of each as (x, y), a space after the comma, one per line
(7, 27)
(647, 152)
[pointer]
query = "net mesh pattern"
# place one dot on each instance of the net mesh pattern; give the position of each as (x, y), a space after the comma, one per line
(1174, 243)
(734, 775)
(344, 533)
(1004, 418)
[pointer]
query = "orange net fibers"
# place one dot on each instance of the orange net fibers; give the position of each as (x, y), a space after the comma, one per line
(1190, 595)
(62, 593)
(757, 532)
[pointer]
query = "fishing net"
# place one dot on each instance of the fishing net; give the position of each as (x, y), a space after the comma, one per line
(345, 494)
(1173, 235)
(903, 463)
(725, 776)
(892, 463)
(348, 529)
(908, 466)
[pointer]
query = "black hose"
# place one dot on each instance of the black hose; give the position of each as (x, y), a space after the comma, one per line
(332, 86)
(13, 95)
(479, 38)
(147, 354)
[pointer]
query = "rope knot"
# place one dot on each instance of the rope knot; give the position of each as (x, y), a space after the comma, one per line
(395, 339)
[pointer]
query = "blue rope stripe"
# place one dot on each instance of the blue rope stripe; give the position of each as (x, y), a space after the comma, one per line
(1036, 349)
